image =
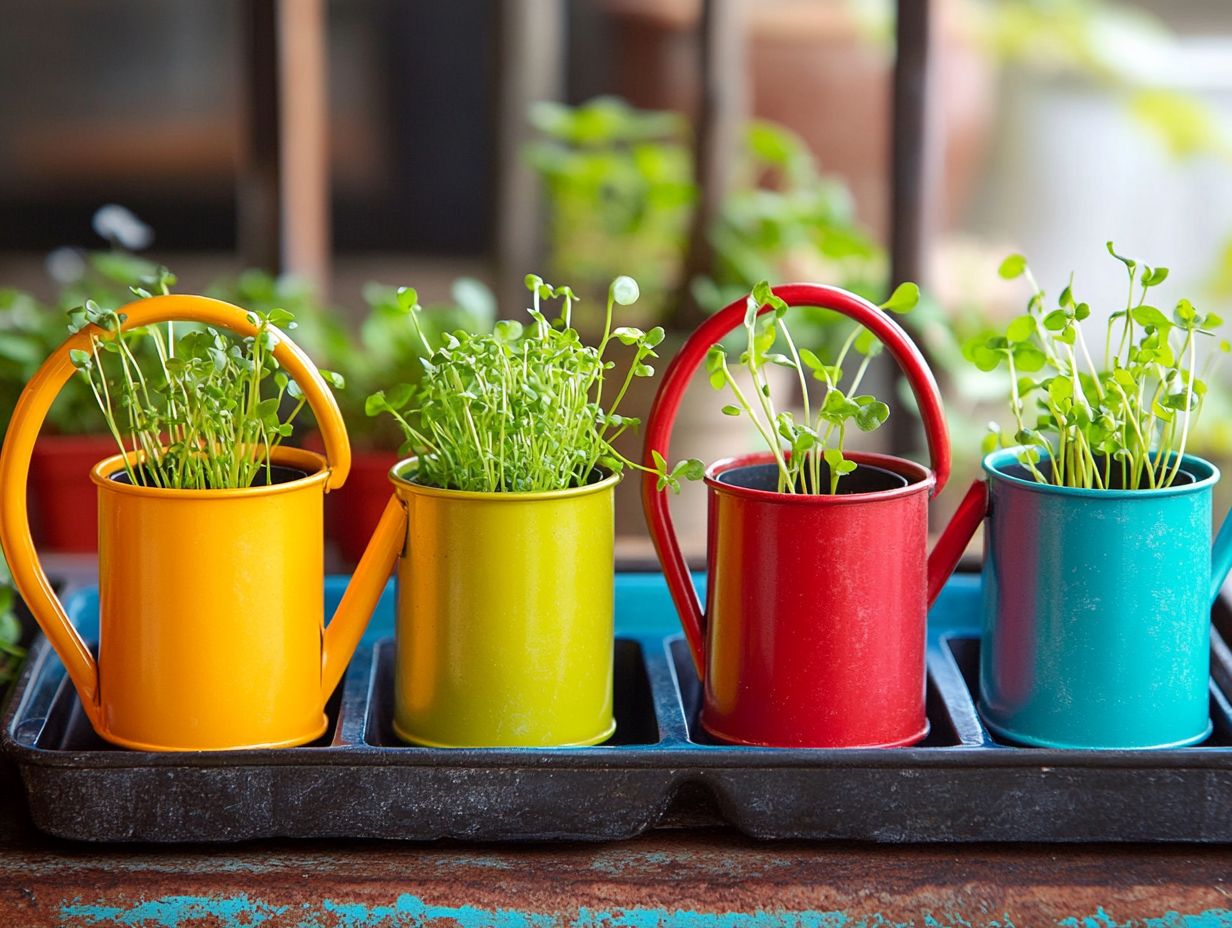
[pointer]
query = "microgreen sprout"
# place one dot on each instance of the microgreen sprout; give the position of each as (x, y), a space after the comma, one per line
(803, 449)
(518, 409)
(206, 412)
(1122, 423)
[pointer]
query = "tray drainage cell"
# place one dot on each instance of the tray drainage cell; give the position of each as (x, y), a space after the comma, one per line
(942, 732)
(966, 652)
(66, 727)
(633, 704)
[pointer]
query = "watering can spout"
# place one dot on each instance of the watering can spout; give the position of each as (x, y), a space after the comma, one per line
(953, 541)
(1221, 558)
(371, 574)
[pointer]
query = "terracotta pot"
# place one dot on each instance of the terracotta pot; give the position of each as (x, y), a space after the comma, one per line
(814, 67)
(352, 512)
(61, 494)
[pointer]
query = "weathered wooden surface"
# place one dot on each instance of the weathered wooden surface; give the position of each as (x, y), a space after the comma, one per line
(698, 878)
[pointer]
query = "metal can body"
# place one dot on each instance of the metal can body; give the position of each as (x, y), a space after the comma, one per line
(505, 617)
(1096, 611)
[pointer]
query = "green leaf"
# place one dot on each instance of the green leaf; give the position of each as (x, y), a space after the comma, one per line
(1029, 359)
(906, 297)
(1020, 329)
(1012, 266)
(1060, 389)
(987, 359)
(872, 416)
(867, 344)
(992, 440)
(810, 359)
(375, 404)
(1056, 320)
(1155, 278)
(408, 299)
(398, 395)
(1185, 313)
(764, 295)
(1149, 315)
(689, 469)
(508, 330)
(628, 335)
(266, 408)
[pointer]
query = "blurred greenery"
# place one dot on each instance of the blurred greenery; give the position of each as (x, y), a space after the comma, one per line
(619, 187)
(30, 329)
(11, 652)
(620, 190)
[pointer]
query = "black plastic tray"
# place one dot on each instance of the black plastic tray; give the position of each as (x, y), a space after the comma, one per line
(359, 781)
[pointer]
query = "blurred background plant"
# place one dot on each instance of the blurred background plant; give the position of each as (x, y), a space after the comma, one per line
(11, 651)
(618, 183)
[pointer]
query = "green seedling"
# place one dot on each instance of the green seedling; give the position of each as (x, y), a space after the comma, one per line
(801, 448)
(206, 413)
(518, 409)
(1124, 422)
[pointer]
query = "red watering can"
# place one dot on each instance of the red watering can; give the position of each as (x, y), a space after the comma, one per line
(813, 634)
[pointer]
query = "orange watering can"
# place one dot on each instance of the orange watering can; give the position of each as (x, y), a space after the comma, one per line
(211, 623)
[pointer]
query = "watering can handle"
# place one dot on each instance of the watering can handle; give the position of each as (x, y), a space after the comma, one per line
(31, 410)
(676, 380)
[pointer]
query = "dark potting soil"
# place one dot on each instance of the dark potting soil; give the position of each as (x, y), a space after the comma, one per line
(864, 479)
(277, 475)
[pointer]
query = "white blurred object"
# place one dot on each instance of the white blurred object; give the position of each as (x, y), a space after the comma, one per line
(1074, 166)
(118, 225)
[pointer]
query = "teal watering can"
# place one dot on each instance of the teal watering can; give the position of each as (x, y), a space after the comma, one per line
(1097, 610)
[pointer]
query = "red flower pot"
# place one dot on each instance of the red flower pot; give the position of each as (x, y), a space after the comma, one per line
(816, 605)
(64, 501)
(352, 512)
